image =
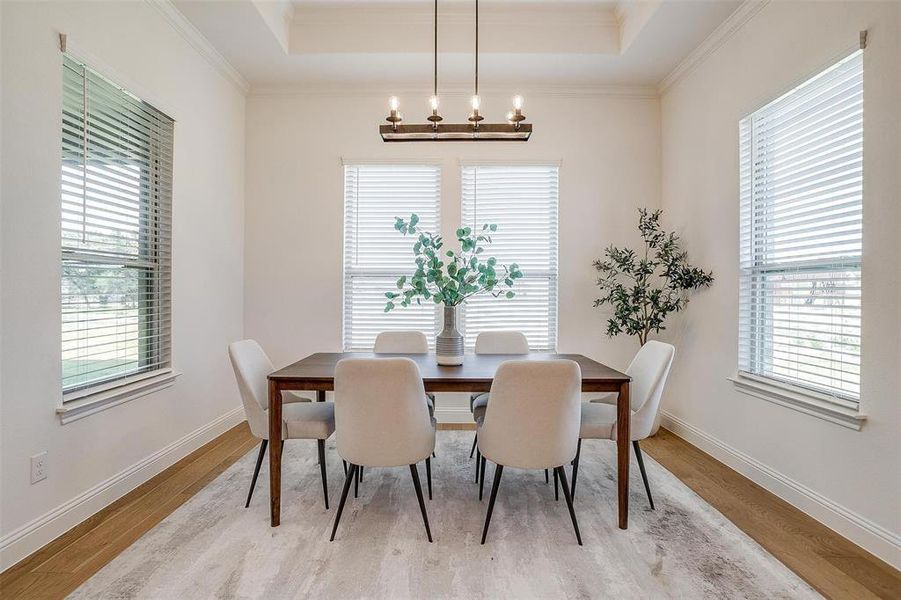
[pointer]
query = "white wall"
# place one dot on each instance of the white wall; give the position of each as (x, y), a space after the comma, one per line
(848, 479)
(89, 460)
(294, 210)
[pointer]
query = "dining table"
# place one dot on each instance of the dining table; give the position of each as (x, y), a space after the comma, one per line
(316, 373)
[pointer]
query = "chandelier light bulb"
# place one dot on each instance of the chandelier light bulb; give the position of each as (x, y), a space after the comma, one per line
(517, 102)
(393, 103)
(510, 117)
(433, 102)
(476, 102)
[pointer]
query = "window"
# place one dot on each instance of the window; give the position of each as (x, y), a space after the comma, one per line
(522, 201)
(116, 234)
(376, 255)
(801, 236)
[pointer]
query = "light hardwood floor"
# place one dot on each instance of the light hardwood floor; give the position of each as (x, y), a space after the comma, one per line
(834, 566)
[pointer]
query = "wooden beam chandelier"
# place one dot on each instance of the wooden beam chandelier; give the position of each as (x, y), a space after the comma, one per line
(514, 130)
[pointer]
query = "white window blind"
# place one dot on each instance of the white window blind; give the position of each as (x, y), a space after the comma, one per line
(116, 232)
(801, 235)
(376, 254)
(522, 202)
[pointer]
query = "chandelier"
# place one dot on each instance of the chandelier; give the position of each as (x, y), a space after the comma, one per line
(514, 130)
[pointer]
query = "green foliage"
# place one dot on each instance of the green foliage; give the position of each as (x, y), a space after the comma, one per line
(645, 288)
(449, 277)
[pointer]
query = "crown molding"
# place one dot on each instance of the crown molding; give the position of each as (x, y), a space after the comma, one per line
(197, 40)
(717, 38)
(647, 92)
(399, 14)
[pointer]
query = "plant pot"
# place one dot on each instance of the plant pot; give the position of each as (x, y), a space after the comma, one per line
(449, 345)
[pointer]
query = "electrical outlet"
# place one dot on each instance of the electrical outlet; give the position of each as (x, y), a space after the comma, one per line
(38, 467)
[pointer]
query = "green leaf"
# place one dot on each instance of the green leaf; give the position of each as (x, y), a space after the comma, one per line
(390, 295)
(492, 227)
(389, 306)
(510, 295)
(401, 281)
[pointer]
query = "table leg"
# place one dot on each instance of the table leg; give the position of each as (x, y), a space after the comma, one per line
(320, 395)
(623, 423)
(275, 453)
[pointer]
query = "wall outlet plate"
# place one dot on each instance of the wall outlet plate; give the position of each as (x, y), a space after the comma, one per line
(38, 467)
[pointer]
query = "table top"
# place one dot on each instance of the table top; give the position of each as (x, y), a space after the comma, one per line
(317, 371)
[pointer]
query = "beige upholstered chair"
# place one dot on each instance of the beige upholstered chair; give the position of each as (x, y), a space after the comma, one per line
(404, 342)
(401, 342)
(301, 419)
(383, 421)
(532, 422)
(494, 342)
(649, 370)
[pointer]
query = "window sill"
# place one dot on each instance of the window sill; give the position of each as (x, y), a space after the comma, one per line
(805, 401)
(80, 404)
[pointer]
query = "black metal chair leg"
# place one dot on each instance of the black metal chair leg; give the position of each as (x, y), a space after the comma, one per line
(428, 475)
(475, 440)
(556, 488)
(569, 503)
(576, 468)
(498, 471)
(351, 476)
(644, 474)
(478, 462)
(546, 480)
(321, 445)
(425, 517)
(344, 462)
(356, 479)
(256, 470)
(361, 474)
(481, 477)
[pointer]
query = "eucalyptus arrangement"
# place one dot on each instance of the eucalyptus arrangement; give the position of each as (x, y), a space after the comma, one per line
(644, 287)
(449, 277)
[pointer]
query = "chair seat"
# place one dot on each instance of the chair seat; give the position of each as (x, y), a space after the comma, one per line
(308, 420)
(608, 398)
(478, 414)
(598, 421)
(479, 400)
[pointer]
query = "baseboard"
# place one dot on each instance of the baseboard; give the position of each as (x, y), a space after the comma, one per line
(870, 536)
(32, 536)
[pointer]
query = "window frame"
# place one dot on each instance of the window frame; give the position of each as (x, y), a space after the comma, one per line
(552, 275)
(80, 400)
(347, 276)
(838, 408)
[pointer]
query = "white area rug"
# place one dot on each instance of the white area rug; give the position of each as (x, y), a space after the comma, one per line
(212, 547)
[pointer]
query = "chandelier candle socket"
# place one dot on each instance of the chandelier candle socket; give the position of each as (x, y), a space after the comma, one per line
(514, 130)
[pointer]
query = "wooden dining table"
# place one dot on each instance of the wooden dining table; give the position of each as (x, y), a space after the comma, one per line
(317, 373)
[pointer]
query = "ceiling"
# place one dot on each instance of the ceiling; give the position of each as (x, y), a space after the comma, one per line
(526, 43)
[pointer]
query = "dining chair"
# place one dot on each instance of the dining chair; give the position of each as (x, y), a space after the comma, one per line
(301, 419)
(494, 342)
(402, 342)
(532, 422)
(383, 421)
(649, 370)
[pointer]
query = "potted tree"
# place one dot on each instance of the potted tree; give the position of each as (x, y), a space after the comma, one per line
(450, 277)
(644, 287)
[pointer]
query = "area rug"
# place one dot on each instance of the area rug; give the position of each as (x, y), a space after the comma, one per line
(212, 547)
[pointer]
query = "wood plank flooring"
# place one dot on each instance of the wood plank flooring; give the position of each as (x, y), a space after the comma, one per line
(831, 564)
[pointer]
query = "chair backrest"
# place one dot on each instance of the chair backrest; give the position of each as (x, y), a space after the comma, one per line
(401, 342)
(502, 342)
(381, 415)
(533, 419)
(649, 370)
(252, 368)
